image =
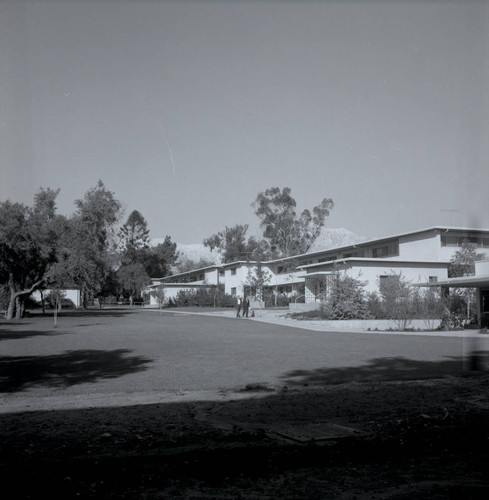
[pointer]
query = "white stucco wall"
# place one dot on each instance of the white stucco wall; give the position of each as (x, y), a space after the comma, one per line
(415, 273)
(71, 294)
(420, 246)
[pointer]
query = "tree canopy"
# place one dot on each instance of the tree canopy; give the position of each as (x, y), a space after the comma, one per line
(287, 232)
(134, 233)
(463, 261)
(28, 244)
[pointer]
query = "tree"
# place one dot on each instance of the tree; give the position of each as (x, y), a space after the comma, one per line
(463, 264)
(159, 294)
(158, 260)
(231, 243)
(28, 242)
(463, 261)
(134, 233)
(346, 299)
(86, 252)
(256, 280)
(133, 279)
(397, 298)
(288, 233)
(187, 264)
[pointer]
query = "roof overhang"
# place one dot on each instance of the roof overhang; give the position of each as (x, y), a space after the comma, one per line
(481, 281)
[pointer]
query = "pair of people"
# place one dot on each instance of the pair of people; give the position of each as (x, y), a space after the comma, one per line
(242, 304)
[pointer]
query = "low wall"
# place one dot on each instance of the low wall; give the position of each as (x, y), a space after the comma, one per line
(364, 324)
(377, 324)
(301, 307)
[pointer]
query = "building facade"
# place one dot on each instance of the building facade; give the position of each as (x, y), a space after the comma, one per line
(421, 256)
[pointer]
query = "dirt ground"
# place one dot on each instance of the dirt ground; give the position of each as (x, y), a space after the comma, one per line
(362, 440)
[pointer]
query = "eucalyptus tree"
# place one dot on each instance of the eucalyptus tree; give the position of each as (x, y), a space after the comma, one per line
(287, 232)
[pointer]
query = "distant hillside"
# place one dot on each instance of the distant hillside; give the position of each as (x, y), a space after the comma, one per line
(197, 251)
(191, 252)
(335, 237)
(329, 238)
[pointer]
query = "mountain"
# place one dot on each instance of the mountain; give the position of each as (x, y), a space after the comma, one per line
(335, 237)
(329, 238)
(191, 252)
(197, 251)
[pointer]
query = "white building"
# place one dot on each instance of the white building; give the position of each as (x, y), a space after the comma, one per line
(421, 256)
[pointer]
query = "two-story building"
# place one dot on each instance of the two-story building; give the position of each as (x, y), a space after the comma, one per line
(421, 256)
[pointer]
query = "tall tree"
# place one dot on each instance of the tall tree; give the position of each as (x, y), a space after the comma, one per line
(28, 243)
(87, 242)
(231, 243)
(159, 259)
(134, 233)
(287, 232)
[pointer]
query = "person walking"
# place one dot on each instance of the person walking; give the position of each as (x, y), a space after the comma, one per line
(246, 307)
(239, 303)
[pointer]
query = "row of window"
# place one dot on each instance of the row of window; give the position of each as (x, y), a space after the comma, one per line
(458, 241)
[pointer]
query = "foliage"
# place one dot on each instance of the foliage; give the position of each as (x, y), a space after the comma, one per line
(462, 302)
(159, 294)
(397, 298)
(256, 281)
(58, 297)
(86, 253)
(346, 300)
(463, 261)
(132, 279)
(28, 243)
(375, 306)
(187, 264)
(286, 232)
(430, 306)
(233, 245)
(204, 297)
(158, 260)
(134, 233)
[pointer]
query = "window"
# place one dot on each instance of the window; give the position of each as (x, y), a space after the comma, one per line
(389, 250)
(459, 240)
(326, 259)
(221, 272)
(449, 241)
(233, 271)
(233, 291)
(433, 279)
(380, 252)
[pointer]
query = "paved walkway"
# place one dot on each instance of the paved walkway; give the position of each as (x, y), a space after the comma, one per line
(278, 317)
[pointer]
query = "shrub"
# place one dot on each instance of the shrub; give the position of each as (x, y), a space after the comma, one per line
(203, 297)
(398, 299)
(346, 300)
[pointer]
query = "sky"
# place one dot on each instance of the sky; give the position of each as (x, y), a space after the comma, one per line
(187, 110)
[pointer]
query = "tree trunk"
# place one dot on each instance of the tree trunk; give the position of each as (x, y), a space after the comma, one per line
(11, 307)
(17, 299)
(18, 307)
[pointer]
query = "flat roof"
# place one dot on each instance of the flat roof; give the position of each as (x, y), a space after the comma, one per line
(439, 229)
(441, 263)
(481, 281)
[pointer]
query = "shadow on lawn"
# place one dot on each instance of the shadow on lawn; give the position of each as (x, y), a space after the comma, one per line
(24, 334)
(389, 369)
(67, 369)
(85, 313)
